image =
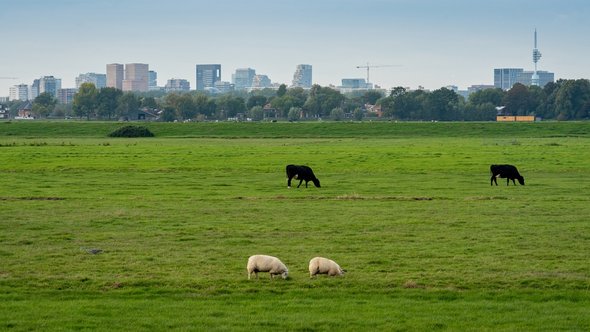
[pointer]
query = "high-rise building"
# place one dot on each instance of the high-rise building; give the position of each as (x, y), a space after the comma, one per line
(302, 76)
(261, 81)
(34, 90)
(243, 77)
(152, 80)
(136, 77)
(505, 78)
(542, 77)
(66, 96)
(175, 84)
(207, 76)
(19, 92)
(49, 84)
(99, 80)
(115, 76)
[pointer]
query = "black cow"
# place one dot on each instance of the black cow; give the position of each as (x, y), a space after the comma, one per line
(505, 171)
(301, 173)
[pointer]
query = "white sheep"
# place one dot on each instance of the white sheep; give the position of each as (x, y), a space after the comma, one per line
(264, 263)
(321, 265)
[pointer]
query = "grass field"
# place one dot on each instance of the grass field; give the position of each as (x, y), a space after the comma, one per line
(406, 208)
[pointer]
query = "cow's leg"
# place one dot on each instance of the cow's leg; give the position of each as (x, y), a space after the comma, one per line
(289, 182)
(306, 183)
(300, 181)
(492, 180)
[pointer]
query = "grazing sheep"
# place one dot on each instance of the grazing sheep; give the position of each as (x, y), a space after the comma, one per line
(321, 265)
(264, 263)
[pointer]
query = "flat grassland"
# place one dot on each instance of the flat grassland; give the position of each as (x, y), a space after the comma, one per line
(406, 208)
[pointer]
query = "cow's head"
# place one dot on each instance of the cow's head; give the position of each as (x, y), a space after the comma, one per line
(520, 180)
(316, 182)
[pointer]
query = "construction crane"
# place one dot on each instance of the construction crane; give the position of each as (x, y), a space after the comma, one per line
(368, 67)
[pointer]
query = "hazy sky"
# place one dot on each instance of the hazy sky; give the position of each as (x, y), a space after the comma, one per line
(434, 42)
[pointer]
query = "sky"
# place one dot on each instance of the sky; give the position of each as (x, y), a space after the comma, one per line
(428, 43)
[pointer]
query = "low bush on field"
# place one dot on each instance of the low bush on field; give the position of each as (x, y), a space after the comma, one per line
(132, 131)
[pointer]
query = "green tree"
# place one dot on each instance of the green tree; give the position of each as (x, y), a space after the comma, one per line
(108, 101)
(358, 114)
(493, 96)
(282, 90)
(294, 114)
(321, 101)
(337, 114)
(518, 101)
(370, 97)
(256, 100)
(44, 104)
(572, 100)
(256, 113)
(168, 114)
(128, 106)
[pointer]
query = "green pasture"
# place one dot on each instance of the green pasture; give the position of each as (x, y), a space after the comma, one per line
(406, 208)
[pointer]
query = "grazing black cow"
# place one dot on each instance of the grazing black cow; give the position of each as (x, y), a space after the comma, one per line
(301, 173)
(505, 171)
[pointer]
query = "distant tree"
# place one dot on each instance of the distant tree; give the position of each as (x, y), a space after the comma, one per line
(397, 91)
(441, 104)
(371, 97)
(44, 104)
(282, 90)
(230, 106)
(493, 96)
(256, 113)
(321, 101)
(518, 101)
(204, 105)
(256, 100)
(358, 114)
(128, 105)
(294, 114)
(168, 114)
(572, 100)
(108, 101)
(86, 101)
(337, 114)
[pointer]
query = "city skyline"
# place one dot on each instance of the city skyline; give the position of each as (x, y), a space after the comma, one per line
(432, 44)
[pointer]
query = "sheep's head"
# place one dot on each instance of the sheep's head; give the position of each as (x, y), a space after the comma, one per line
(316, 182)
(285, 274)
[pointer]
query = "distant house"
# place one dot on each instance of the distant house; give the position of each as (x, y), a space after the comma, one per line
(269, 112)
(4, 114)
(25, 111)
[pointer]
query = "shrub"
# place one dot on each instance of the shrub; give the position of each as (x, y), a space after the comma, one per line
(132, 131)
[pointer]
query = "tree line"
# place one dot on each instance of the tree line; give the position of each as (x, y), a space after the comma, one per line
(561, 100)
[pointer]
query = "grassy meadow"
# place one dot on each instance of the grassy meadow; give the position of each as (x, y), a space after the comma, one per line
(406, 208)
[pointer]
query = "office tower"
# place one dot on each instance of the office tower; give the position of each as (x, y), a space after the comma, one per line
(302, 76)
(66, 96)
(136, 77)
(115, 76)
(99, 80)
(34, 90)
(49, 84)
(152, 80)
(243, 77)
(207, 76)
(19, 92)
(175, 84)
(505, 78)
(261, 81)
